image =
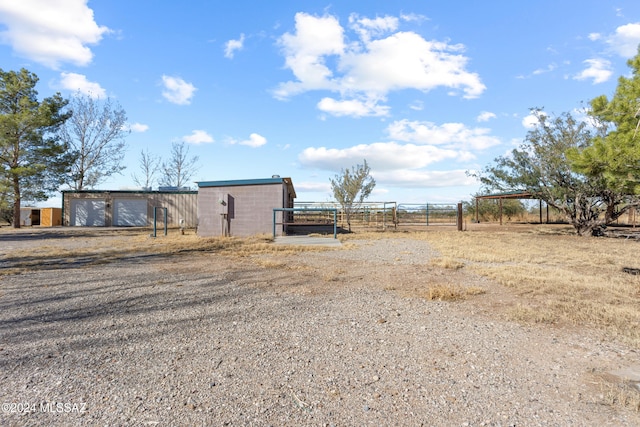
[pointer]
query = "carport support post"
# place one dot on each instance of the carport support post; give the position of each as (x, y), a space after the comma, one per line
(477, 214)
(540, 211)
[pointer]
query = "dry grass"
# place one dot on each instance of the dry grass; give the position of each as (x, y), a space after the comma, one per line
(448, 263)
(557, 276)
(621, 395)
(135, 242)
(617, 392)
(449, 292)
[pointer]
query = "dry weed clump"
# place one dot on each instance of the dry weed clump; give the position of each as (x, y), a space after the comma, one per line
(616, 392)
(449, 292)
(447, 263)
(525, 314)
(444, 293)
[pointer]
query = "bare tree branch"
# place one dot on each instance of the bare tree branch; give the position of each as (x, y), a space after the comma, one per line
(96, 132)
(149, 165)
(178, 170)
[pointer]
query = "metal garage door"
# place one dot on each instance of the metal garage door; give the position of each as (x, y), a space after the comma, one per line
(87, 212)
(130, 212)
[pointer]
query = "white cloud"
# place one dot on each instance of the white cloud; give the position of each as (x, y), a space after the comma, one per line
(413, 17)
(79, 83)
(424, 178)
(177, 91)
(305, 53)
(531, 121)
(625, 40)
(198, 137)
(255, 140)
(548, 69)
(407, 161)
(50, 32)
(380, 156)
(450, 135)
(306, 186)
(594, 36)
(138, 127)
(417, 105)
(368, 28)
(232, 45)
(374, 65)
(405, 60)
(597, 69)
(485, 116)
(353, 107)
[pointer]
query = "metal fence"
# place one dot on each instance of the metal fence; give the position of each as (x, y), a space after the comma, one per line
(427, 214)
(389, 214)
(306, 219)
(367, 214)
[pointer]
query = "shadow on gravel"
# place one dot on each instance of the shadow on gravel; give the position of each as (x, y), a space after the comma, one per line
(16, 265)
(126, 305)
(61, 233)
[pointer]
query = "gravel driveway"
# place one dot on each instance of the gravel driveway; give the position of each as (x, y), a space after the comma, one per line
(336, 337)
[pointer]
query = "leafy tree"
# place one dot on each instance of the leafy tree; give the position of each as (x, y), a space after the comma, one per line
(351, 187)
(596, 174)
(613, 159)
(96, 133)
(33, 161)
(543, 166)
(149, 165)
(6, 211)
(178, 170)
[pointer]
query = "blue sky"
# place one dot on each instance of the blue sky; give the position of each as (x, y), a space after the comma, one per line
(423, 90)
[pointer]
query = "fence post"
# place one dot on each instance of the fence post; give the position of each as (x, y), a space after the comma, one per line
(427, 210)
(459, 216)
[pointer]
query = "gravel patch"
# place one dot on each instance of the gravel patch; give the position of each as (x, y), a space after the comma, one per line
(337, 337)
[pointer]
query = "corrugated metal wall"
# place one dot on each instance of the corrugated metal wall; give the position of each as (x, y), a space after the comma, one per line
(179, 204)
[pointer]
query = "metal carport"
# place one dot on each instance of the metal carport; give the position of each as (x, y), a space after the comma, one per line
(520, 195)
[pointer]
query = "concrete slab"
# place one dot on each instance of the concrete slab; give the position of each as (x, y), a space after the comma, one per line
(632, 373)
(306, 241)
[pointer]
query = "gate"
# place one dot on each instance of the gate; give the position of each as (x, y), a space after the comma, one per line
(427, 214)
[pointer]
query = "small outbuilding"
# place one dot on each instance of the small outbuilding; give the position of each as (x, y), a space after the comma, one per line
(243, 207)
(44, 217)
(123, 208)
(29, 216)
(50, 217)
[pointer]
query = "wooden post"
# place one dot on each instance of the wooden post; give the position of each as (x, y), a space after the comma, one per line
(459, 216)
(477, 214)
(540, 211)
(547, 212)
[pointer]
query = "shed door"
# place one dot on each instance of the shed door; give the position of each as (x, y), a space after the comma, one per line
(87, 212)
(130, 212)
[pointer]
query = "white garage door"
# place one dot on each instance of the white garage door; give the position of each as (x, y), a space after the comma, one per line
(130, 212)
(87, 212)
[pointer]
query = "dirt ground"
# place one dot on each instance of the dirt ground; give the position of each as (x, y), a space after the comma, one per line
(333, 337)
